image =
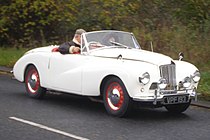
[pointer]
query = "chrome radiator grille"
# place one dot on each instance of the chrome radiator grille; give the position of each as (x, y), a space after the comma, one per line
(168, 72)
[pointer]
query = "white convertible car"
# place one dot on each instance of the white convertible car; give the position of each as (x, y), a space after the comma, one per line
(113, 68)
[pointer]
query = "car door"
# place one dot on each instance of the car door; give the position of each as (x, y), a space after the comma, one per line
(66, 72)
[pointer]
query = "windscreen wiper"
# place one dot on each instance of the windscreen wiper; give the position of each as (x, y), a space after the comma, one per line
(119, 44)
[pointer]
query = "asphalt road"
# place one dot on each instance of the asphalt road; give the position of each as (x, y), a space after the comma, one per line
(62, 117)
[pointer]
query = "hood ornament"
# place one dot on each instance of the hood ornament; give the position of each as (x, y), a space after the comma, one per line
(119, 56)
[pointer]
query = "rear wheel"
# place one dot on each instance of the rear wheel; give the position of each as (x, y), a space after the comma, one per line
(32, 83)
(116, 99)
(177, 108)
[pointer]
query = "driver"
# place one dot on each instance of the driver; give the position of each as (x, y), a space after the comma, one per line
(72, 46)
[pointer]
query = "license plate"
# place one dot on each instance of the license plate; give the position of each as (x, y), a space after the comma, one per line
(175, 99)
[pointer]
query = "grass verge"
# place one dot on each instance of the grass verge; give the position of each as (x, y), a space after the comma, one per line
(8, 56)
(204, 86)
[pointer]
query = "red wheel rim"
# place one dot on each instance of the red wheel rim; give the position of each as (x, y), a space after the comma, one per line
(114, 96)
(33, 81)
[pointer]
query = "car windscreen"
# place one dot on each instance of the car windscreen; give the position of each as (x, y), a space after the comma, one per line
(112, 38)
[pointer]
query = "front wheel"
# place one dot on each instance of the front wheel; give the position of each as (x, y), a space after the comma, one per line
(116, 99)
(32, 83)
(177, 108)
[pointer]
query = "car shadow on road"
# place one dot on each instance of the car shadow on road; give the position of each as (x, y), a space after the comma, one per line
(156, 114)
(87, 106)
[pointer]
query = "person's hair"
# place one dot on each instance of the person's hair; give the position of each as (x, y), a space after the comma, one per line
(79, 31)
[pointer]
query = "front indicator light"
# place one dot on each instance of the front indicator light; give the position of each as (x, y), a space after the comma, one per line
(186, 82)
(162, 83)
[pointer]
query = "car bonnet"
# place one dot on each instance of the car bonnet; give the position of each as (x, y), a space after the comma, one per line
(133, 55)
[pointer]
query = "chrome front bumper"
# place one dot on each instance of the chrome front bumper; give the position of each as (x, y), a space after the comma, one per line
(160, 95)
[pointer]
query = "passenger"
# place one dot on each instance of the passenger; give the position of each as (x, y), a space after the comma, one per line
(72, 46)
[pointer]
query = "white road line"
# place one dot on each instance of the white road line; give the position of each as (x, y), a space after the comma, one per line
(48, 128)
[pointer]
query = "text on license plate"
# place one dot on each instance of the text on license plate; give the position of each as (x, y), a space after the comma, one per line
(175, 99)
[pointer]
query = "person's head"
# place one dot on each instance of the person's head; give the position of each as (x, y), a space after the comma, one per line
(78, 33)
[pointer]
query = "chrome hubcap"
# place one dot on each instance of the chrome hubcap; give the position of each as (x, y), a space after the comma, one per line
(115, 96)
(33, 81)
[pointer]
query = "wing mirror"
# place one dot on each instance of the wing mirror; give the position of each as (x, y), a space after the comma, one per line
(181, 56)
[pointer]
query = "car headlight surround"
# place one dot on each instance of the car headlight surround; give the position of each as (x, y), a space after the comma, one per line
(145, 78)
(186, 82)
(162, 83)
(196, 76)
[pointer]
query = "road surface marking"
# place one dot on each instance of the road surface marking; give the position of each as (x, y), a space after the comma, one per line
(48, 128)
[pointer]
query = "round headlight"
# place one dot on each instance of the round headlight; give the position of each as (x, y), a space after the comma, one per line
(144, 78)
(162, 83)
(196, 76)
(186, 82)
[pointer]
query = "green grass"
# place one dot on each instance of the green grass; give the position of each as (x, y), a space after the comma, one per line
(204, 85)
(8, 56)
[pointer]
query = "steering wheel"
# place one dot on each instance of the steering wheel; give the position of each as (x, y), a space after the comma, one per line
(92, 42)
(94, 45)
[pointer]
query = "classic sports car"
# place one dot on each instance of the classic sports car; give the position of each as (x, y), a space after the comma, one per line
(112, 67)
